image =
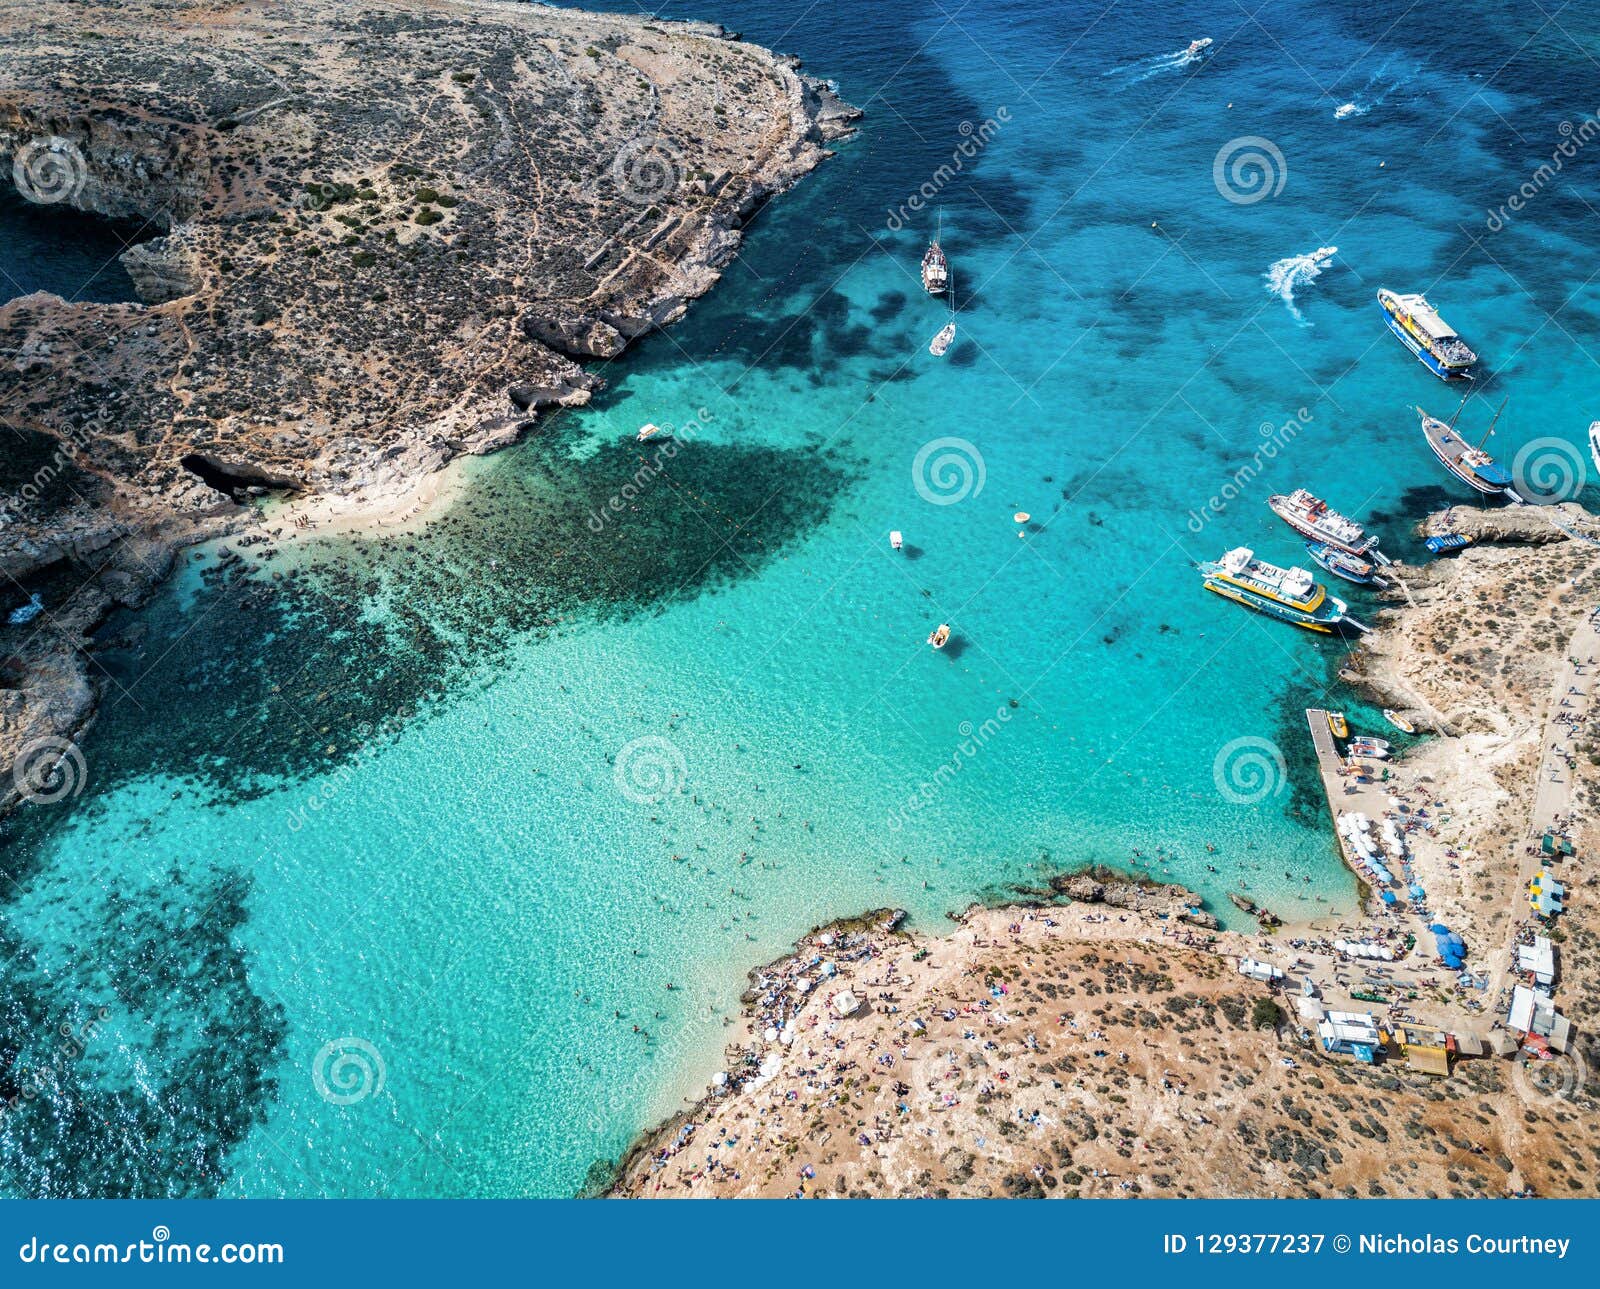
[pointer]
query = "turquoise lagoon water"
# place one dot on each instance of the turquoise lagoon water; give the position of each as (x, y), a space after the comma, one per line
(378, 866)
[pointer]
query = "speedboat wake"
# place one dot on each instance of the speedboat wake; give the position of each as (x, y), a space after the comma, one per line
(1288, 275)
(1156, 64)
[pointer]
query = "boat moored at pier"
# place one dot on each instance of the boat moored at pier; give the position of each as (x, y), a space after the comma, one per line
(1314, 520)
(1342, 564)
(1288, 594)
(1468, 462)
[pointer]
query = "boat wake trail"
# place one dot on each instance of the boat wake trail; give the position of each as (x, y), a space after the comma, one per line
(1378, 87)
(1287, 276)
(1156, 64)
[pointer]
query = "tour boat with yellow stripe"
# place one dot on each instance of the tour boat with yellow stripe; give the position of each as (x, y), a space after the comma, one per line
(1288, 594)
(1421, 330)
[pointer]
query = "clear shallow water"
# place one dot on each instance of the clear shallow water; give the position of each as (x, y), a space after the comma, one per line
(402, 798)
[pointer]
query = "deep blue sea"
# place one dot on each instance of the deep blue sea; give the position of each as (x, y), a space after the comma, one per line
(380, 872)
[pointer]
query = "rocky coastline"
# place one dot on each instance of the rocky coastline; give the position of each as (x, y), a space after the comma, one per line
(379, 235)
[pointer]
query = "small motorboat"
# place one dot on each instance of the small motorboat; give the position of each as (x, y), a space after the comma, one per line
(1398, 721)
(647, 431)
(1446, 542)
(1196, 46)
(1342, 564)
(939, 635)
(896, 541)
(1367, 750)
(1371, 740)
(1594, 442)
(1338, 724)
(27, 613)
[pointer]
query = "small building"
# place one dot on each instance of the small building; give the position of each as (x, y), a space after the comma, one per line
(1351, 1034)
(1427, 1050)
(1545, 894)
(1468, 1044)
(1539, 960)
(1533, 1014)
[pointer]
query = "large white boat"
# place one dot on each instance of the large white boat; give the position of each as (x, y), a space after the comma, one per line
(1311, 517)
(1288, 594)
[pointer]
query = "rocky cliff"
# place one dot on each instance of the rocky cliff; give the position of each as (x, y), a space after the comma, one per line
(380, 234)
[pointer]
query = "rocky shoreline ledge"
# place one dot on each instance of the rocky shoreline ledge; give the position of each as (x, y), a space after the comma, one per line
(383, 234)
(1085, 1042)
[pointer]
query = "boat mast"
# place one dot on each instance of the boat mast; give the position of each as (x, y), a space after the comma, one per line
(1459, 406)
(1490, 430)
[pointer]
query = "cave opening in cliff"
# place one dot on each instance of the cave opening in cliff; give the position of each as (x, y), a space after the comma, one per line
(234, 477)
(68, 252)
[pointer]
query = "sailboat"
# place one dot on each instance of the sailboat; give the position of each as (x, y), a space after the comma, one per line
(1471, 464)
(947, 333)
(935, 268)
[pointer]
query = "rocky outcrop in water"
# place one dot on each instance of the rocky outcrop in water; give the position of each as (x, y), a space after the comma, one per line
(384, 231)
